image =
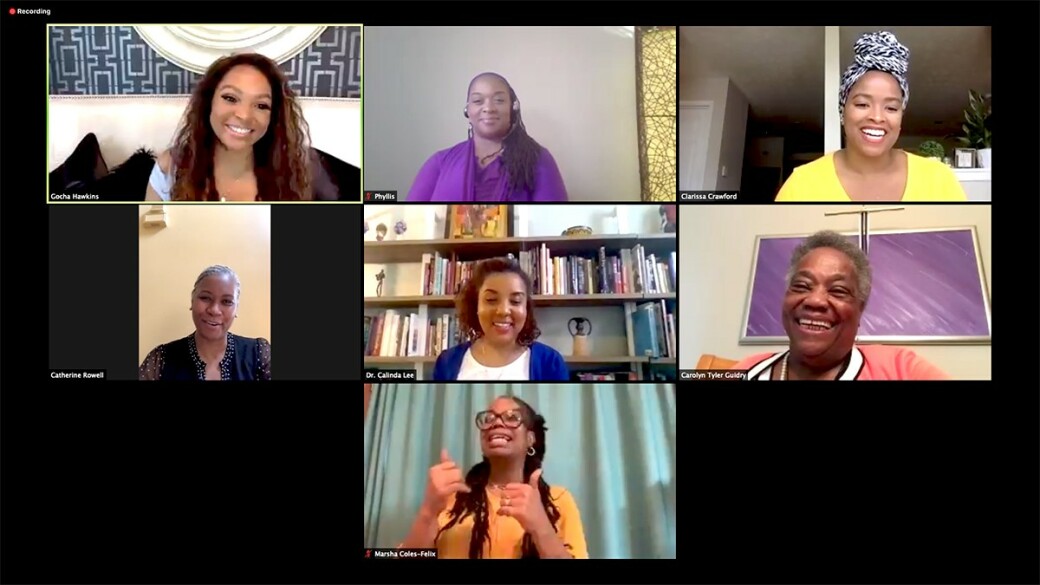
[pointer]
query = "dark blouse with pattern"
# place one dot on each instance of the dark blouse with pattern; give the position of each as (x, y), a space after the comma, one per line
(246, 358)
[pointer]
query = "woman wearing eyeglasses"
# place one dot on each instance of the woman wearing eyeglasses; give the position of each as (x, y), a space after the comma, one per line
(502, 508)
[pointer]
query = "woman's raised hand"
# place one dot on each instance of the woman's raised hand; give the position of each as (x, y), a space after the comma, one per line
(445, 479)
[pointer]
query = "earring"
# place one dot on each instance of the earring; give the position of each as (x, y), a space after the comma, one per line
(531, 451)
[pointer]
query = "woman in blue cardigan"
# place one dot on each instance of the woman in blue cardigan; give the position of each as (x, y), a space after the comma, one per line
(496, 309)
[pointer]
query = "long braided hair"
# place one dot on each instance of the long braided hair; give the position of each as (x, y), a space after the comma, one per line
(476, 501)
(521, 152)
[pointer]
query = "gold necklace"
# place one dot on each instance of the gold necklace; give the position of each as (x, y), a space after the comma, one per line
(783, 368)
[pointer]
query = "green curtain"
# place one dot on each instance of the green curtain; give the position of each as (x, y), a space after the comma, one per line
(612, 446)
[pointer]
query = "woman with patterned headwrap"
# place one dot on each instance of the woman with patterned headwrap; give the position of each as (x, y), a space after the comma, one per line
(872, 100)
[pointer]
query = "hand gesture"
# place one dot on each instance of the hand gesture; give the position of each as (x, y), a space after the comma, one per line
(523, 501)
(445, 479)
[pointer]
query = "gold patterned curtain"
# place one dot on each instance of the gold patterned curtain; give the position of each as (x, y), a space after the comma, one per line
(655, 95)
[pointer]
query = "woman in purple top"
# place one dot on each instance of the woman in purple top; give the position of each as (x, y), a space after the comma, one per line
(499, 161)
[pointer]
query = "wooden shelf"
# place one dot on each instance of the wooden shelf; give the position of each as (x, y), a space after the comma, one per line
(447, 302)
(478, 249)
(438, 301)
(570, 359)
(396, 360)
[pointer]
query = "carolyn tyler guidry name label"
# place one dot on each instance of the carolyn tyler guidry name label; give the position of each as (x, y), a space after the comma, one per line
(713, 375)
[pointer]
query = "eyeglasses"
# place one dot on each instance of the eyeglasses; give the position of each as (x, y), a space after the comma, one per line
(510, 418)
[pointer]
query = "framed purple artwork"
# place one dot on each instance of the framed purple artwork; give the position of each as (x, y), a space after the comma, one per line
(929, 286)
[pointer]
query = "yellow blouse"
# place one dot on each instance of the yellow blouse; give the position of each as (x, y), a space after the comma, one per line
(927, 180)
(506, 533)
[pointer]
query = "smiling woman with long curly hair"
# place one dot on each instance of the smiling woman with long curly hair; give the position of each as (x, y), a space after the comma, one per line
(243, 138)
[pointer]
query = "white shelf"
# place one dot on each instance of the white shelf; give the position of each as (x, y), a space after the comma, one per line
(973, 175)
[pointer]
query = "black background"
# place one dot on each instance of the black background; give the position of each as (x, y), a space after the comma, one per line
(871, 483)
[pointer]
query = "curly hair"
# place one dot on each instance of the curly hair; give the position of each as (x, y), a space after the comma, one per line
(476, 502)
(521, 152)
(466, 301)
(280, 157)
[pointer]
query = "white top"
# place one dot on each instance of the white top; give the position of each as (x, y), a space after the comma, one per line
(519, 369)
(161, 182)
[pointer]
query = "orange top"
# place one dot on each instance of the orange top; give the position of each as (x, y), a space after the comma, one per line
(506, 533)
(868, 362)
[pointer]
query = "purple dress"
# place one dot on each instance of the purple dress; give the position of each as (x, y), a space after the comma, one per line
(453, 175)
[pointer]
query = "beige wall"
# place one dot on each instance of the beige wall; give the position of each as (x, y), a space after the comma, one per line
(715, 248)
(198, 236)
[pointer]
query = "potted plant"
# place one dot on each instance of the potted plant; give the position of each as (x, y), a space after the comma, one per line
(976, 128)
(932, 149)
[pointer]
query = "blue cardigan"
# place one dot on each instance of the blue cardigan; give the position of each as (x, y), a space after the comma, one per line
(546, 363)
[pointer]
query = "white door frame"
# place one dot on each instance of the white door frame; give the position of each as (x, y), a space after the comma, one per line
(687, 164)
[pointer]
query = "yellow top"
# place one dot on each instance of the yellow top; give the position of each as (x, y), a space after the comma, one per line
(506, 533)
(927, 180)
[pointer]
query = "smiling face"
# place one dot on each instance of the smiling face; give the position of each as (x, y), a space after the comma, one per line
(489, 107)
(498, 439)
(502, 307)
(873, 114)
(213, 306)
(822, 310)
(241, 109)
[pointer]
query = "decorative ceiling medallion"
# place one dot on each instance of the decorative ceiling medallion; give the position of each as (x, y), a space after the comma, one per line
(196, 47)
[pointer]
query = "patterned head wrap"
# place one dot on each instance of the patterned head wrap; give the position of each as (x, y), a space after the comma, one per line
(878, 51)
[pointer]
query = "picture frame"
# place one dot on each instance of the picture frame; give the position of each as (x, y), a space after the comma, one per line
(467, 222)
(943, 268)
(964, 158)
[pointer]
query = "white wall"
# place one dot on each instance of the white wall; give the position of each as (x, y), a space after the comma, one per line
(716, 244)
(124, 124)
(734, 133)
(710, 89)
(403, 279)
(576, 86)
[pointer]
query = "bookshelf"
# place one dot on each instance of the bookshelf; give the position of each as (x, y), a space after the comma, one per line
(614, 311)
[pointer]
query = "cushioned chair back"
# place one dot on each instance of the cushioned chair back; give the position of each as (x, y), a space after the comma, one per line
(714, 362)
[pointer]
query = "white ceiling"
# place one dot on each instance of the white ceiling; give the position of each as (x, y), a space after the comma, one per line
(780, 70)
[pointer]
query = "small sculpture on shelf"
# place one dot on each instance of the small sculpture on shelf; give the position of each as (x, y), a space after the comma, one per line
(379, 279)
(577, 231)
(580, 335)
(668, 218)
(380, 232)
(400, 228)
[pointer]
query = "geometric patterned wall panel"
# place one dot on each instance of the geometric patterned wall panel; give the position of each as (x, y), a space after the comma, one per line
(655, 95)
(115, 60)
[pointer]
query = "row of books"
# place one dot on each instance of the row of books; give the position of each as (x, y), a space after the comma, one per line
(631, 271)
(654, 330)
(393, 334)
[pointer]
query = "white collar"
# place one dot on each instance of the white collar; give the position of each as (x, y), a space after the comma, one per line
(761, 371)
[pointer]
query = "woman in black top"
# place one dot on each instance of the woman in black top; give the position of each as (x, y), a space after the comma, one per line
(211, 352)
